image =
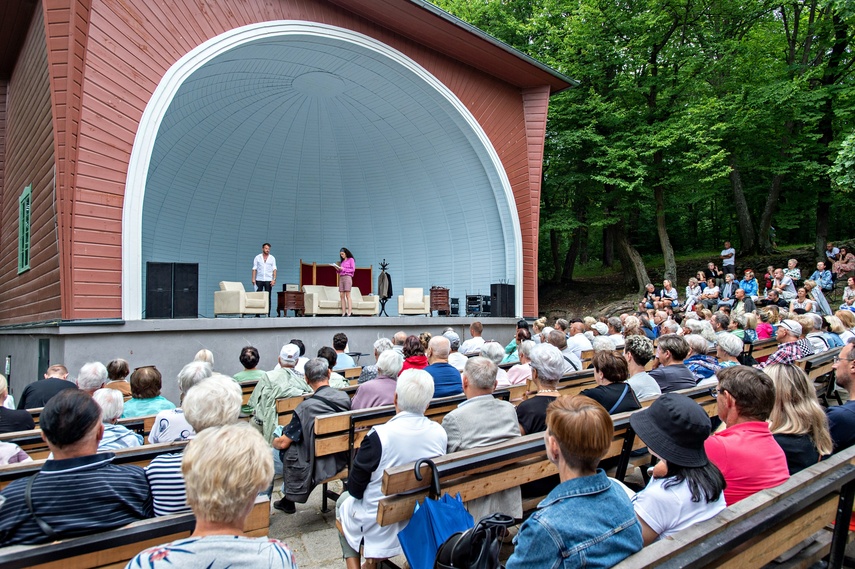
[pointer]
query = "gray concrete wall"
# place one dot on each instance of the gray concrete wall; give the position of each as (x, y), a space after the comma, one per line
(169, 344)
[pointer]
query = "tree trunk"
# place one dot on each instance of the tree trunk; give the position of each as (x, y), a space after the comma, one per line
(608, 247)
(630, 259)
(746, 227)
(763, 241)
(570, 258)
(662, 230)
(556, 262)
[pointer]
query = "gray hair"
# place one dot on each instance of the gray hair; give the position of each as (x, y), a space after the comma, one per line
(493, 351)
(671, 326)
(205, 355)
(317, 369)
(213, 403)
(603, 344)
(389, 363)
(399, 338)
(525, 348)
(382, 344)
(192, 374)
(111, 403)
(481, 371)
(615, 323)
(92, 376)
(694, 326)
(440, 346)
(722, 319)
(547, 360)
(730, 344)
(698, 343)
(414, 391)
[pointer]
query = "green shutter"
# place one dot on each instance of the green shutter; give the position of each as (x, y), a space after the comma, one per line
(24, 229)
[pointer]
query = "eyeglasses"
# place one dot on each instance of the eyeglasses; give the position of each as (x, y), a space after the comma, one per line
(838, 358)
(716, 391)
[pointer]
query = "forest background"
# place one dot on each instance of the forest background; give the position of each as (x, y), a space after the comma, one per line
(693, 122)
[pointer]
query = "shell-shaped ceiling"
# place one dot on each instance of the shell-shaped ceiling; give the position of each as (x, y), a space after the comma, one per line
(315, 143)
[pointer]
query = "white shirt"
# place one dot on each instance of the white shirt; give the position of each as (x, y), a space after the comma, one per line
(264, 269)
(578, 344)
(471, 346)
(669, 510)
(833, 253)
(457, 360)
(644, 386)
(732, 259)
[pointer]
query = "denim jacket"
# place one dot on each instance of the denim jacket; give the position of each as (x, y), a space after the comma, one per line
(584, 522)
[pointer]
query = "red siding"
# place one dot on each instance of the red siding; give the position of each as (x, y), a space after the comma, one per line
(130, 45)
(28, 158)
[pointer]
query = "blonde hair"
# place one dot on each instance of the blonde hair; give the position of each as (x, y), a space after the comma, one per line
(224, 468)
(847, 318)
(204, 355)
(539, 324)
(750, 321)
(835, 325)
(796, 410)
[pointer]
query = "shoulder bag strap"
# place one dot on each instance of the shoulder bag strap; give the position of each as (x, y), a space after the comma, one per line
(337, 406)
(569, 361)
(622, 395)
(43, 525)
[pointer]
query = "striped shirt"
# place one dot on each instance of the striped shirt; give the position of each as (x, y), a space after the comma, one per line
(167, 484)
(118, 436)
(75, 496)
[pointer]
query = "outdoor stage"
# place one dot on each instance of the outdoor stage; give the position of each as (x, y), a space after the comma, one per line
(169, 344)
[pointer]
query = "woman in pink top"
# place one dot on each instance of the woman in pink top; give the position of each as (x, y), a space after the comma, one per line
(345, 280)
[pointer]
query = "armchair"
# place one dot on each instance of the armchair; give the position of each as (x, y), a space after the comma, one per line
(233, 299)
(414, 301)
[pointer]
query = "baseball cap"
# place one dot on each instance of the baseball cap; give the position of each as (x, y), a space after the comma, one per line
(453, 338)
(601, 328)
(792, 326)
(289, 353)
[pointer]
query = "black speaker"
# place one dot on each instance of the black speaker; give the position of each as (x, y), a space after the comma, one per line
(158, 290)
(185, 290)
(502, 301)
(172, 290)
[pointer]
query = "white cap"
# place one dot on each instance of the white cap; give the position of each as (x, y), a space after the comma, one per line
(289, 353)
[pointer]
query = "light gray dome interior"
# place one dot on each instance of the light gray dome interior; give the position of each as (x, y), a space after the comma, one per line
(315, 143)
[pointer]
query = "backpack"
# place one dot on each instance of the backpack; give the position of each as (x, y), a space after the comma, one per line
(475, 548)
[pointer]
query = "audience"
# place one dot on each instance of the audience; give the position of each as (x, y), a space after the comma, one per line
(343, 359)
(702, 365)
(249, 359)
(480, 421)
(405, 438)
(337, 381)
(79, 491)
(212, 403)
(204, 355)
(380, 390)
(685, 488)
(572, 363)
(728, 350)
(118, 371)
(849, 295)
(455, 358)
(797, 420)
(745, 451)
(473, 345)
(493, 352)
(146, 399)
(115, 436)
(38, 393)
(844, 264)
(612, 392)
(171, 425)
(638, 351)
(520, 373)
(446, 379)
(12, 420)
(223, 469)
(370, 372)
(414, 354)
(91, 377)
(790, 349)
(11, 453)
(585, 521)
(841, 419)
(277, 384)
(672, 374)
(301, 470)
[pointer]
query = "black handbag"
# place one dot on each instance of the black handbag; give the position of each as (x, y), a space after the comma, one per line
(475, 548)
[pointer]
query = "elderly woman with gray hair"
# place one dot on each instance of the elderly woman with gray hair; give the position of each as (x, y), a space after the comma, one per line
(702, 365)
(212, 403)
(370, 372)
(728, 349)
(494, 352)
(520, 373)
(223, 470)
(171, 425)
(380, 390)
(115, 436)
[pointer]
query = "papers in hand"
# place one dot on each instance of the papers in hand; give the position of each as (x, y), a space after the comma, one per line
(335, 265)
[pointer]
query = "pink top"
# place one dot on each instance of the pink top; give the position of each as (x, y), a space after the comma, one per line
(348, 267)
(749, 458)
(764, 331)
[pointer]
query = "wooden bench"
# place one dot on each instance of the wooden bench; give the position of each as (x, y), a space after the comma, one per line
(820, 370)
(762, 349)
(791, 520)
(139, 456)
(116, 547)
(479, 472)
(246, 389)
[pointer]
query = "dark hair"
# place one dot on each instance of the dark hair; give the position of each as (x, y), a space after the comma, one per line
(413, 347)
(753, 391)
(347, 253)
(146, 382)
(613, 367)
(68, 416)
(118, 369)
(263, 244)
(675, 344)
(328, 354)
(301, 345)
(249, 357)
(722, 319)
(522, 323)
(705, 482)
(523, 334)
(339, 341)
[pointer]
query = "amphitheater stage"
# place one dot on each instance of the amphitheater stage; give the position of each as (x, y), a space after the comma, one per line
(169, 344)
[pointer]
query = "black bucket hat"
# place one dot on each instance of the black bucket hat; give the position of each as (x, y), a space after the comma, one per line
(674, 427)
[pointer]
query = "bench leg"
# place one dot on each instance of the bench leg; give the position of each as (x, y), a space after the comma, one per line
(841, 526)
(327, 494)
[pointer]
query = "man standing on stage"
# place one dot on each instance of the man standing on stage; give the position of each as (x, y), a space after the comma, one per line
(264, 271)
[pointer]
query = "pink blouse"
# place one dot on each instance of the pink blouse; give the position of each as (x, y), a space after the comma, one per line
(348, 267)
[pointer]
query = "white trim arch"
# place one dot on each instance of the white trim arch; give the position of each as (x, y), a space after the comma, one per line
(174, 78)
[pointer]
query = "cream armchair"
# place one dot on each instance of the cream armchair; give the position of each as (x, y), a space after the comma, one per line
(326, 300)
(414, 301)
(233, 299)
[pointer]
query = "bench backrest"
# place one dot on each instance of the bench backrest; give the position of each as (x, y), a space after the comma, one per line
(763, 349)
(246, 388)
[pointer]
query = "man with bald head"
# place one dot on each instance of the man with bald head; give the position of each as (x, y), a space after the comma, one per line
(446, 378)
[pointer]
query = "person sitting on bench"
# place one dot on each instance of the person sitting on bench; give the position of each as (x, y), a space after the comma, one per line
(746, 452)
(224, 468)
(52, 504)
(405, 438)
(612, 391)
(587, 520)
